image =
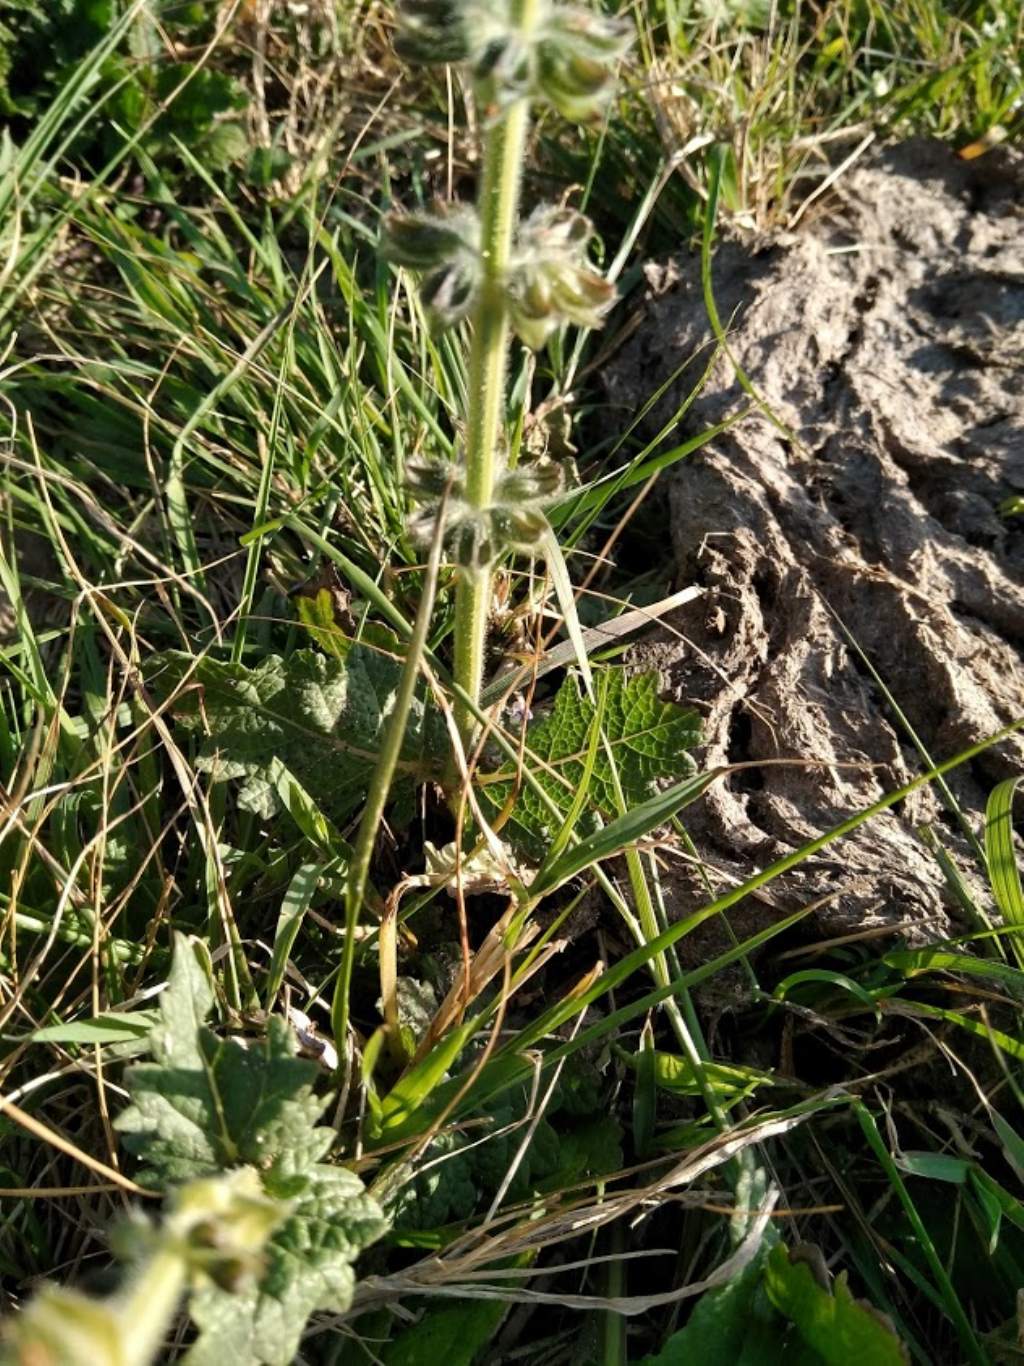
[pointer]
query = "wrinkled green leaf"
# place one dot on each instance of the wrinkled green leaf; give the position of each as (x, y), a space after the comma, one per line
(734, 1325)
(590, 1149)
(459, 1173)
(444, 1192)
(647, 739)
(205, 1104)
(308, 1268)
(320, 717)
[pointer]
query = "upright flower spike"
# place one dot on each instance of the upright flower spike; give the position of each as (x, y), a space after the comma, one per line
(520, 53)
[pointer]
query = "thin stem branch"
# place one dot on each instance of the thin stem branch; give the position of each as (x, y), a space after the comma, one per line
(380, 786)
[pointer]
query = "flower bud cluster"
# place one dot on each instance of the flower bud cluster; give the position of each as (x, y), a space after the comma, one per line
(443, 246)
(563, 56)
(224, 1224)
(549, 282)
(217, 1229)
(514, 521)
(218, 1225)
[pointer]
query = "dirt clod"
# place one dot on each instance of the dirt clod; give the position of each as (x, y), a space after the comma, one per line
(887, 340)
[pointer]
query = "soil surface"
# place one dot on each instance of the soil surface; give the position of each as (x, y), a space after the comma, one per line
(887, 341)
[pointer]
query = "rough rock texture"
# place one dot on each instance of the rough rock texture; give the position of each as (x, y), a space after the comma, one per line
(888, 338)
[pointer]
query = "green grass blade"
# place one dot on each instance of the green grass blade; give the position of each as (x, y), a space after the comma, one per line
(294, 905)
(620, 833)
(939, 959)
(950, 1299)
(1002, 858)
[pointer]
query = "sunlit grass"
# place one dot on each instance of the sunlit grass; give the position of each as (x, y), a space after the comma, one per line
(210, 389)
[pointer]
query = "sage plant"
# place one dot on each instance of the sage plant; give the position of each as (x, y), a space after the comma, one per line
(503, 276)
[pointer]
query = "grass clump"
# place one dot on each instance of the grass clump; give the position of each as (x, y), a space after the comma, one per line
(311, 930)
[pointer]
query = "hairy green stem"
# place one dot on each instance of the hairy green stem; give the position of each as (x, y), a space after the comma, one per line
(148, 1306)
(498, 202)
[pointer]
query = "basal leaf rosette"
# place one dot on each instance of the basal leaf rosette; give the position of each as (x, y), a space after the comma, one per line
(271, 1228)
(562, 55)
